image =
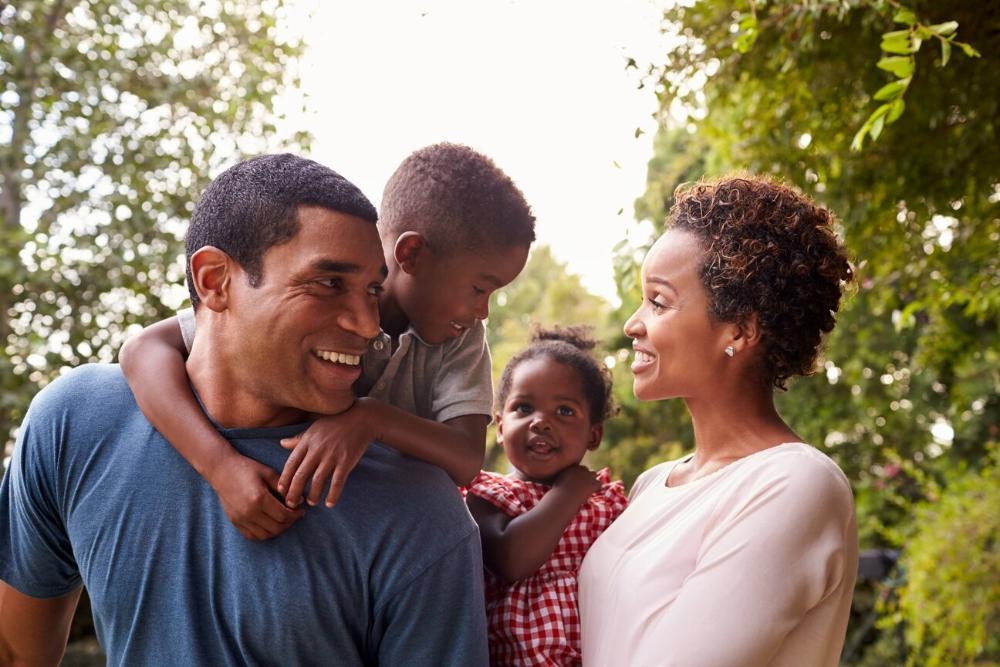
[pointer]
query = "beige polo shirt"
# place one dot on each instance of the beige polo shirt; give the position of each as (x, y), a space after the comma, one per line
(438, 382)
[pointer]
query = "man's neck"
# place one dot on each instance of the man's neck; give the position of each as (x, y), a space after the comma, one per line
(228, 399)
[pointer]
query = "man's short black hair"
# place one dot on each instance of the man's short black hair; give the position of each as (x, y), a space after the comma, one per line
(252, 207)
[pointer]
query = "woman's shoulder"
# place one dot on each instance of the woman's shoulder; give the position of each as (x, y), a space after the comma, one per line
(651, 477)
(799, 461)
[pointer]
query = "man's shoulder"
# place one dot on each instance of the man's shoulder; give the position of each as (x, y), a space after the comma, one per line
(90, 387)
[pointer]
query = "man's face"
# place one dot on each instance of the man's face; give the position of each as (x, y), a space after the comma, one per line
(297, 338)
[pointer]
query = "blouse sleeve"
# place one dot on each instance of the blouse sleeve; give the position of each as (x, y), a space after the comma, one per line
(776, 548)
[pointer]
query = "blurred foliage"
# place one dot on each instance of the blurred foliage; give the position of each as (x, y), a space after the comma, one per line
(113, 117)
(949, 600)
(908, 389)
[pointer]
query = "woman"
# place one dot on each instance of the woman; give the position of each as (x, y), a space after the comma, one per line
(745, 552)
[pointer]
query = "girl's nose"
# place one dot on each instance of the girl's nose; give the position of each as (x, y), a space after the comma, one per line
(539, 424)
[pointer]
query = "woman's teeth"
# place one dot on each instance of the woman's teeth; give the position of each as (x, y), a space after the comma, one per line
(643, 357)
(339, 357)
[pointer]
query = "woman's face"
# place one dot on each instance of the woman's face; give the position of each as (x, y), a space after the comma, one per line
(679, 350)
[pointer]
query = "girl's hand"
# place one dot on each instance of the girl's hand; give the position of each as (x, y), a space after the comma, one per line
(245, 488)
(327, 451)
(577, 481)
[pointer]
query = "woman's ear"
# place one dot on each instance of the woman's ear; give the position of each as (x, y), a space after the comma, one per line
(410, 250)
(746, 335)
(211, 270)
(596, 433)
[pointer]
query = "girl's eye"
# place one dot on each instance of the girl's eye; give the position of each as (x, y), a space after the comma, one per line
(522, 408)
(565, 411)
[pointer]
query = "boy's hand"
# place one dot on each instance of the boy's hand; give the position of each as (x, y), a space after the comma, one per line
(578, 482)
(244, 487)
(328, 450)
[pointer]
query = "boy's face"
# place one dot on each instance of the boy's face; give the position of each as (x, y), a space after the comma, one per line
(445, 294)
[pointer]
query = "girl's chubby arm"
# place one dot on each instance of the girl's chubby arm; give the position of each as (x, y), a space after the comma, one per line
(153, 364)
(515, 548)
(330, 448)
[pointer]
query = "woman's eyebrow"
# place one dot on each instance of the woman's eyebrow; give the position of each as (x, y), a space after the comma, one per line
(662, 281)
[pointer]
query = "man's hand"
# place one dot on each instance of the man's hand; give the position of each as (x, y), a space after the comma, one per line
(328, 450)
(244, 486)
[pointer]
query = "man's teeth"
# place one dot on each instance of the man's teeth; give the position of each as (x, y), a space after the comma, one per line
(339, 357)
(643, 357)
(457, 326)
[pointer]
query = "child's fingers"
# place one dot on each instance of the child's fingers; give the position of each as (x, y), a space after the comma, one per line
(337, 485)
(290, 443)
(291, 467)
(319, 478)
(300, 479)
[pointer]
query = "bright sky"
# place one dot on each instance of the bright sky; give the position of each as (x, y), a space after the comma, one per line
(538, 85)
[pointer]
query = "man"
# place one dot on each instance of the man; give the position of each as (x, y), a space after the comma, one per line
(284, 269)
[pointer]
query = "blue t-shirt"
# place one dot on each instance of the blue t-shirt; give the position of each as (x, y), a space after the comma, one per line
(95, 496)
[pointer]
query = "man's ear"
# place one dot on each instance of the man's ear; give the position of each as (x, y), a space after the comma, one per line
(212, 272)
(410, 250)
(596, 433)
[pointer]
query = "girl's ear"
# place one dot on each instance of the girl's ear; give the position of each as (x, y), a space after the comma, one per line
(499, 420)
(596, 433)
(410, 250)
(211, 272)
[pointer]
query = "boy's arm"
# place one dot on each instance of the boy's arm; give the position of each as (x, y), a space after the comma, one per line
(333, 445)
(515, 548)
(153, 364)
(33, 631)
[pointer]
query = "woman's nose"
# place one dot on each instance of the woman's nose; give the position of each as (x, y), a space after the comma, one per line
(633, 326)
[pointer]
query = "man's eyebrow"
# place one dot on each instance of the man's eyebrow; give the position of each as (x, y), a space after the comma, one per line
(490, 278)
(327, 265)
(662, 281)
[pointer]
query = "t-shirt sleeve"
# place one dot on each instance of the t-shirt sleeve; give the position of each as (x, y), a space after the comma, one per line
(464, 383)
(777, 547)
(438, 618)
(36, 557)
(186, 320)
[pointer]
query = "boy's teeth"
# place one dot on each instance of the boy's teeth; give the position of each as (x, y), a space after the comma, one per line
(339, 357)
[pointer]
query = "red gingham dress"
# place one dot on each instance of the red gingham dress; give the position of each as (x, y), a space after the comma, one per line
(535, 621)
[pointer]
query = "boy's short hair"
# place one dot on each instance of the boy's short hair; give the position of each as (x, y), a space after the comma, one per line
(458, 199)
(253, 206)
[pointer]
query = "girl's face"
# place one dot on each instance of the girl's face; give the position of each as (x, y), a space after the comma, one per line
(545, 423)
(679, 350)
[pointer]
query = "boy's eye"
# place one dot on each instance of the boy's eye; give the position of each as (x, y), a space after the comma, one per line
(565, 411)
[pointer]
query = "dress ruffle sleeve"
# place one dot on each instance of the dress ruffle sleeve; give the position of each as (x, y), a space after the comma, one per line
(497, 490)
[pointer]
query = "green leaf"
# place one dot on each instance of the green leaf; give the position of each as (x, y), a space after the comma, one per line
(901, 44)
(895, 110)
(882, 110)
(906, 16)
(901, 66)
(892, 90)
(859, 138)
(895, 34)
(877, 127)
(969, 51)
(944, 29)
(945, 52)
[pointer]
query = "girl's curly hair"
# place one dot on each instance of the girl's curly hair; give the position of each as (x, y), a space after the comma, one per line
(769, 251)
(571, 346)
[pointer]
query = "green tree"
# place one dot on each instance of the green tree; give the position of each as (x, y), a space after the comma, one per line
(113, 117)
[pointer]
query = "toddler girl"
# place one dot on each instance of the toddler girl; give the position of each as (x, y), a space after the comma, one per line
(538, 522)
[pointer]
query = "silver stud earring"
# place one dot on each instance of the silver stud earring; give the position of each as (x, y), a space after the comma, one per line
(730, 350)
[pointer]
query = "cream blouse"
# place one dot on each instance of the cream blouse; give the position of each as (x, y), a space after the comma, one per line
(752, 565)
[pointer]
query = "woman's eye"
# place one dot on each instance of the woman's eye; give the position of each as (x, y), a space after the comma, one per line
(657, 306)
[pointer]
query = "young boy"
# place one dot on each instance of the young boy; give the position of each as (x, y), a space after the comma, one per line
(454, 229)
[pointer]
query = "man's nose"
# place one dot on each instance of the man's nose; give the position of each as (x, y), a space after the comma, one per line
(481, 309)
(360, 317)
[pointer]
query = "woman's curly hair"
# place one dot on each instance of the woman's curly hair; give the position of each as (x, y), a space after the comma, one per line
(571, 346)
(772, 252)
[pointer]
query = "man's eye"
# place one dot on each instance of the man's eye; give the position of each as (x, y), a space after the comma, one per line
(376, 290)
(331, 283)
(478, 291)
